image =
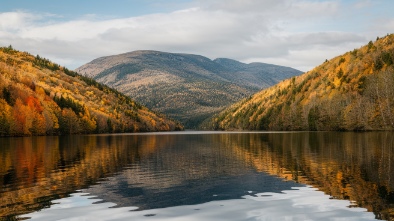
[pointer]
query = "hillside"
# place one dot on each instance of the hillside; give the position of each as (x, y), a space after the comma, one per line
(38, 97)
(354, 91)
(189, 88)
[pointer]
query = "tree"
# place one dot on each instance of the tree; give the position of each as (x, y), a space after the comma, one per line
(5, 118)
(370, 45)
(7, 96)
(38, 124)
(34, 104)
(23, 119)
(110, 126)
(313, 118)
(88, 124)
(69, 122)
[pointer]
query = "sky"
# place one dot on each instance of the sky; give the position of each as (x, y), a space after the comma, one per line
(297, 33)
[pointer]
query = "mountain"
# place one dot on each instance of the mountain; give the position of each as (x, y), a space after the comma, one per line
(255, 75)
(354, 91)
(186, 87)
(38, 97)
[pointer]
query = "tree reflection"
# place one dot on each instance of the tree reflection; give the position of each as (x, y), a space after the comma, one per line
(353, 166)
(35, 170)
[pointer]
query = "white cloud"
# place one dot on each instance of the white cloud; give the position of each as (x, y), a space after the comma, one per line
(363, 3)
(275, 9)
(285, 32)
(11, 21)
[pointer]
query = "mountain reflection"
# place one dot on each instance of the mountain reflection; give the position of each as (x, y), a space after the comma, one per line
(158, 170)
(189, 169)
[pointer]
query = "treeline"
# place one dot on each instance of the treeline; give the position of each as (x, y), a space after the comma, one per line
(38, 97)
(354, 91)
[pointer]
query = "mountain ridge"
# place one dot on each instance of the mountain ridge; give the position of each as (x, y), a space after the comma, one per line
(186, 87)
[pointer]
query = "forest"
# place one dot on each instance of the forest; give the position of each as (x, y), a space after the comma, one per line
(39, 97)
(354, 91)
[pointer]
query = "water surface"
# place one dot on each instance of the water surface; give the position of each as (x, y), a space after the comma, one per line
(148, 175)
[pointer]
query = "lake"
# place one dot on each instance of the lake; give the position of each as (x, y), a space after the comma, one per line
(199, 176)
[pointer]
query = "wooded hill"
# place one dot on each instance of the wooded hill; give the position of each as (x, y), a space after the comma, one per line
(38, 97)
(186, 87)
(354, 91)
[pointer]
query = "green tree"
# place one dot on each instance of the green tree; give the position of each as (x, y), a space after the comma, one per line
(69, 122)
(109, 125)
(7, 96)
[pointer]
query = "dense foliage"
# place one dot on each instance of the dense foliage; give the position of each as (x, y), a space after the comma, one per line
(38, 97)
(354, 91)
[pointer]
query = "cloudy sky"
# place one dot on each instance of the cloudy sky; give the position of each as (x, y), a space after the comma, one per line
(295, 33)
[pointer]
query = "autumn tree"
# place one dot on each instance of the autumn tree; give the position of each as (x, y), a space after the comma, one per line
(69, 122)
(5, 118)
(23, 118)
(88, 123)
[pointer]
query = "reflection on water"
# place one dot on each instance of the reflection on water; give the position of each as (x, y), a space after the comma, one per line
(187, 169)
(298, 204)
(353, 166)
(163, 170)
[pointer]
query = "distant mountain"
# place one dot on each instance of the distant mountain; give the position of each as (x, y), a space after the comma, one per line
(255, 75)
(38, 97)
(188, 88)
(354, 91)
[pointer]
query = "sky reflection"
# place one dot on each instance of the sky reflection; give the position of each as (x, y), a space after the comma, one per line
(301, 203)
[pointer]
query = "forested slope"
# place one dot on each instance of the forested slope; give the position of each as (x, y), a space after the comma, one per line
(38, 97)
(354, 91)
(186, 87)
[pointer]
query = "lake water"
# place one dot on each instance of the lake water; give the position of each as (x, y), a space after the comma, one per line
(199, 176)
